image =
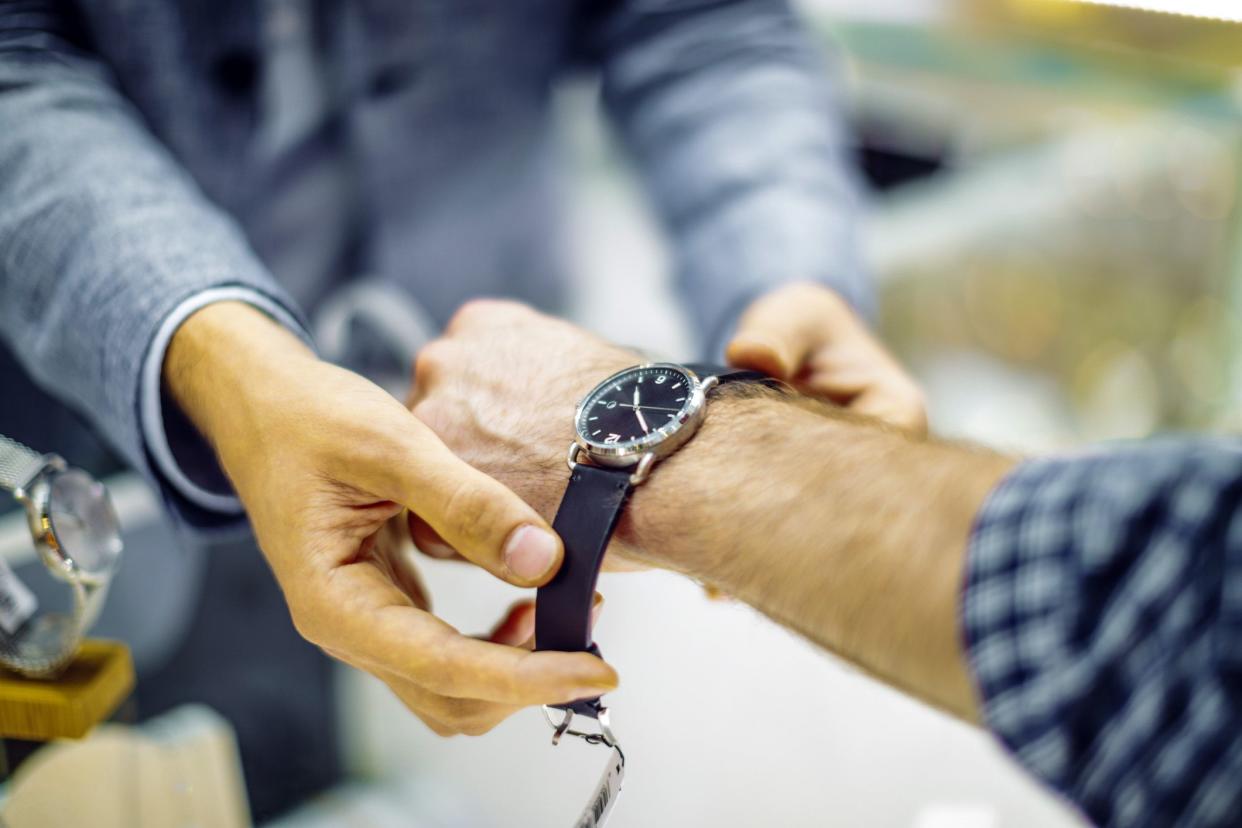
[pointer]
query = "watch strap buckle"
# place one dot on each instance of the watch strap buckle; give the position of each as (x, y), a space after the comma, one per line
(604, 736)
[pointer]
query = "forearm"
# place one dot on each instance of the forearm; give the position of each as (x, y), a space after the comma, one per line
(730, 113)
(103, 235)
(853, 535)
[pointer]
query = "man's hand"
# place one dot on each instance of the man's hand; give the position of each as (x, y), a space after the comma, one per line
(322, 459)
(500, 388)
(807, 335)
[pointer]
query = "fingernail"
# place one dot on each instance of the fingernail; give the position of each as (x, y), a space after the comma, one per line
(530, 552)
(765, 342)
(778, 351)
(759, 339)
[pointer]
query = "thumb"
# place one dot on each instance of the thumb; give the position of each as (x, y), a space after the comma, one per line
(473, 513)
(777, 333)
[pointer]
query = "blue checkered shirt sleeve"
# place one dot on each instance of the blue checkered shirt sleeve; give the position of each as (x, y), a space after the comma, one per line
(1102, 616)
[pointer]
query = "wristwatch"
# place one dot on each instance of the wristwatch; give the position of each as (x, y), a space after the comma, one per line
(624, 426)
(75, 530)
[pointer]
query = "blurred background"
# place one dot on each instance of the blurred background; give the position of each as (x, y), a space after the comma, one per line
(1056, 232)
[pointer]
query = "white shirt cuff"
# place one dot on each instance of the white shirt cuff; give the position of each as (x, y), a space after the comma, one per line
(151, 410)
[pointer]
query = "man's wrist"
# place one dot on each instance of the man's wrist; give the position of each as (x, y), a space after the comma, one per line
(220, 362)
(679, 518)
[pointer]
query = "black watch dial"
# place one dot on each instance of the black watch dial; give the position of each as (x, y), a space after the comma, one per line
(640, 407)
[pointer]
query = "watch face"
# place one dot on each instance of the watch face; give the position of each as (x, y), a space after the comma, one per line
(83, 522)
(637, 408)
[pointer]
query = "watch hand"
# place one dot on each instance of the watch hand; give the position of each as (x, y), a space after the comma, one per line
(636, 396)
(638, 412)
(649, 407)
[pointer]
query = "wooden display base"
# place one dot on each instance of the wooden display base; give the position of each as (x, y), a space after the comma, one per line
(94, 684)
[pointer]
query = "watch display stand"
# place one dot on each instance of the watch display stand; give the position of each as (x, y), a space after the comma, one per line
(85, 693)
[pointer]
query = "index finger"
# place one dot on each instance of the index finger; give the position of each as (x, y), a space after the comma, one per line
(374, 624)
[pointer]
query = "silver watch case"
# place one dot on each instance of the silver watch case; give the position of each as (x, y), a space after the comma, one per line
(672, 436)
(34, 496)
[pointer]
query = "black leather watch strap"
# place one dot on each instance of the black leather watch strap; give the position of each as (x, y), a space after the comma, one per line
(703, 370)
(585, 521)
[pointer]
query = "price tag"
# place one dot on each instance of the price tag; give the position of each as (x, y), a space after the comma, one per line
(605, 795)
(17, 602)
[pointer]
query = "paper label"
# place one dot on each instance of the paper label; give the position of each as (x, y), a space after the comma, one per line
(17, 602)
(599, 806)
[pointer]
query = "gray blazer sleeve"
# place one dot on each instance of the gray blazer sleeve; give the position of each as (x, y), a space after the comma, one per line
(728, 109)
(102, 233)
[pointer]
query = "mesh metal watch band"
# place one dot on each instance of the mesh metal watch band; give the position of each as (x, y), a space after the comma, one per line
(17, 464)
(50, 640)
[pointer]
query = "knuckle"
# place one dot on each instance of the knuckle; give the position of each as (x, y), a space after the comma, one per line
(916, 408)
(306, 622)
(466, 716)
(919, 423)
(459, 728)
(434, 416)
(480, 311)
(454, 673)
(918, 405)
(303, 627)
(478, 726)
(430, 362)
(473, 512)
(469, 313)
(436, 727)
(440, 671)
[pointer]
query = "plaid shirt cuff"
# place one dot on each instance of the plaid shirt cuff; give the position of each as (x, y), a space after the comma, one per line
(1102, 618)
